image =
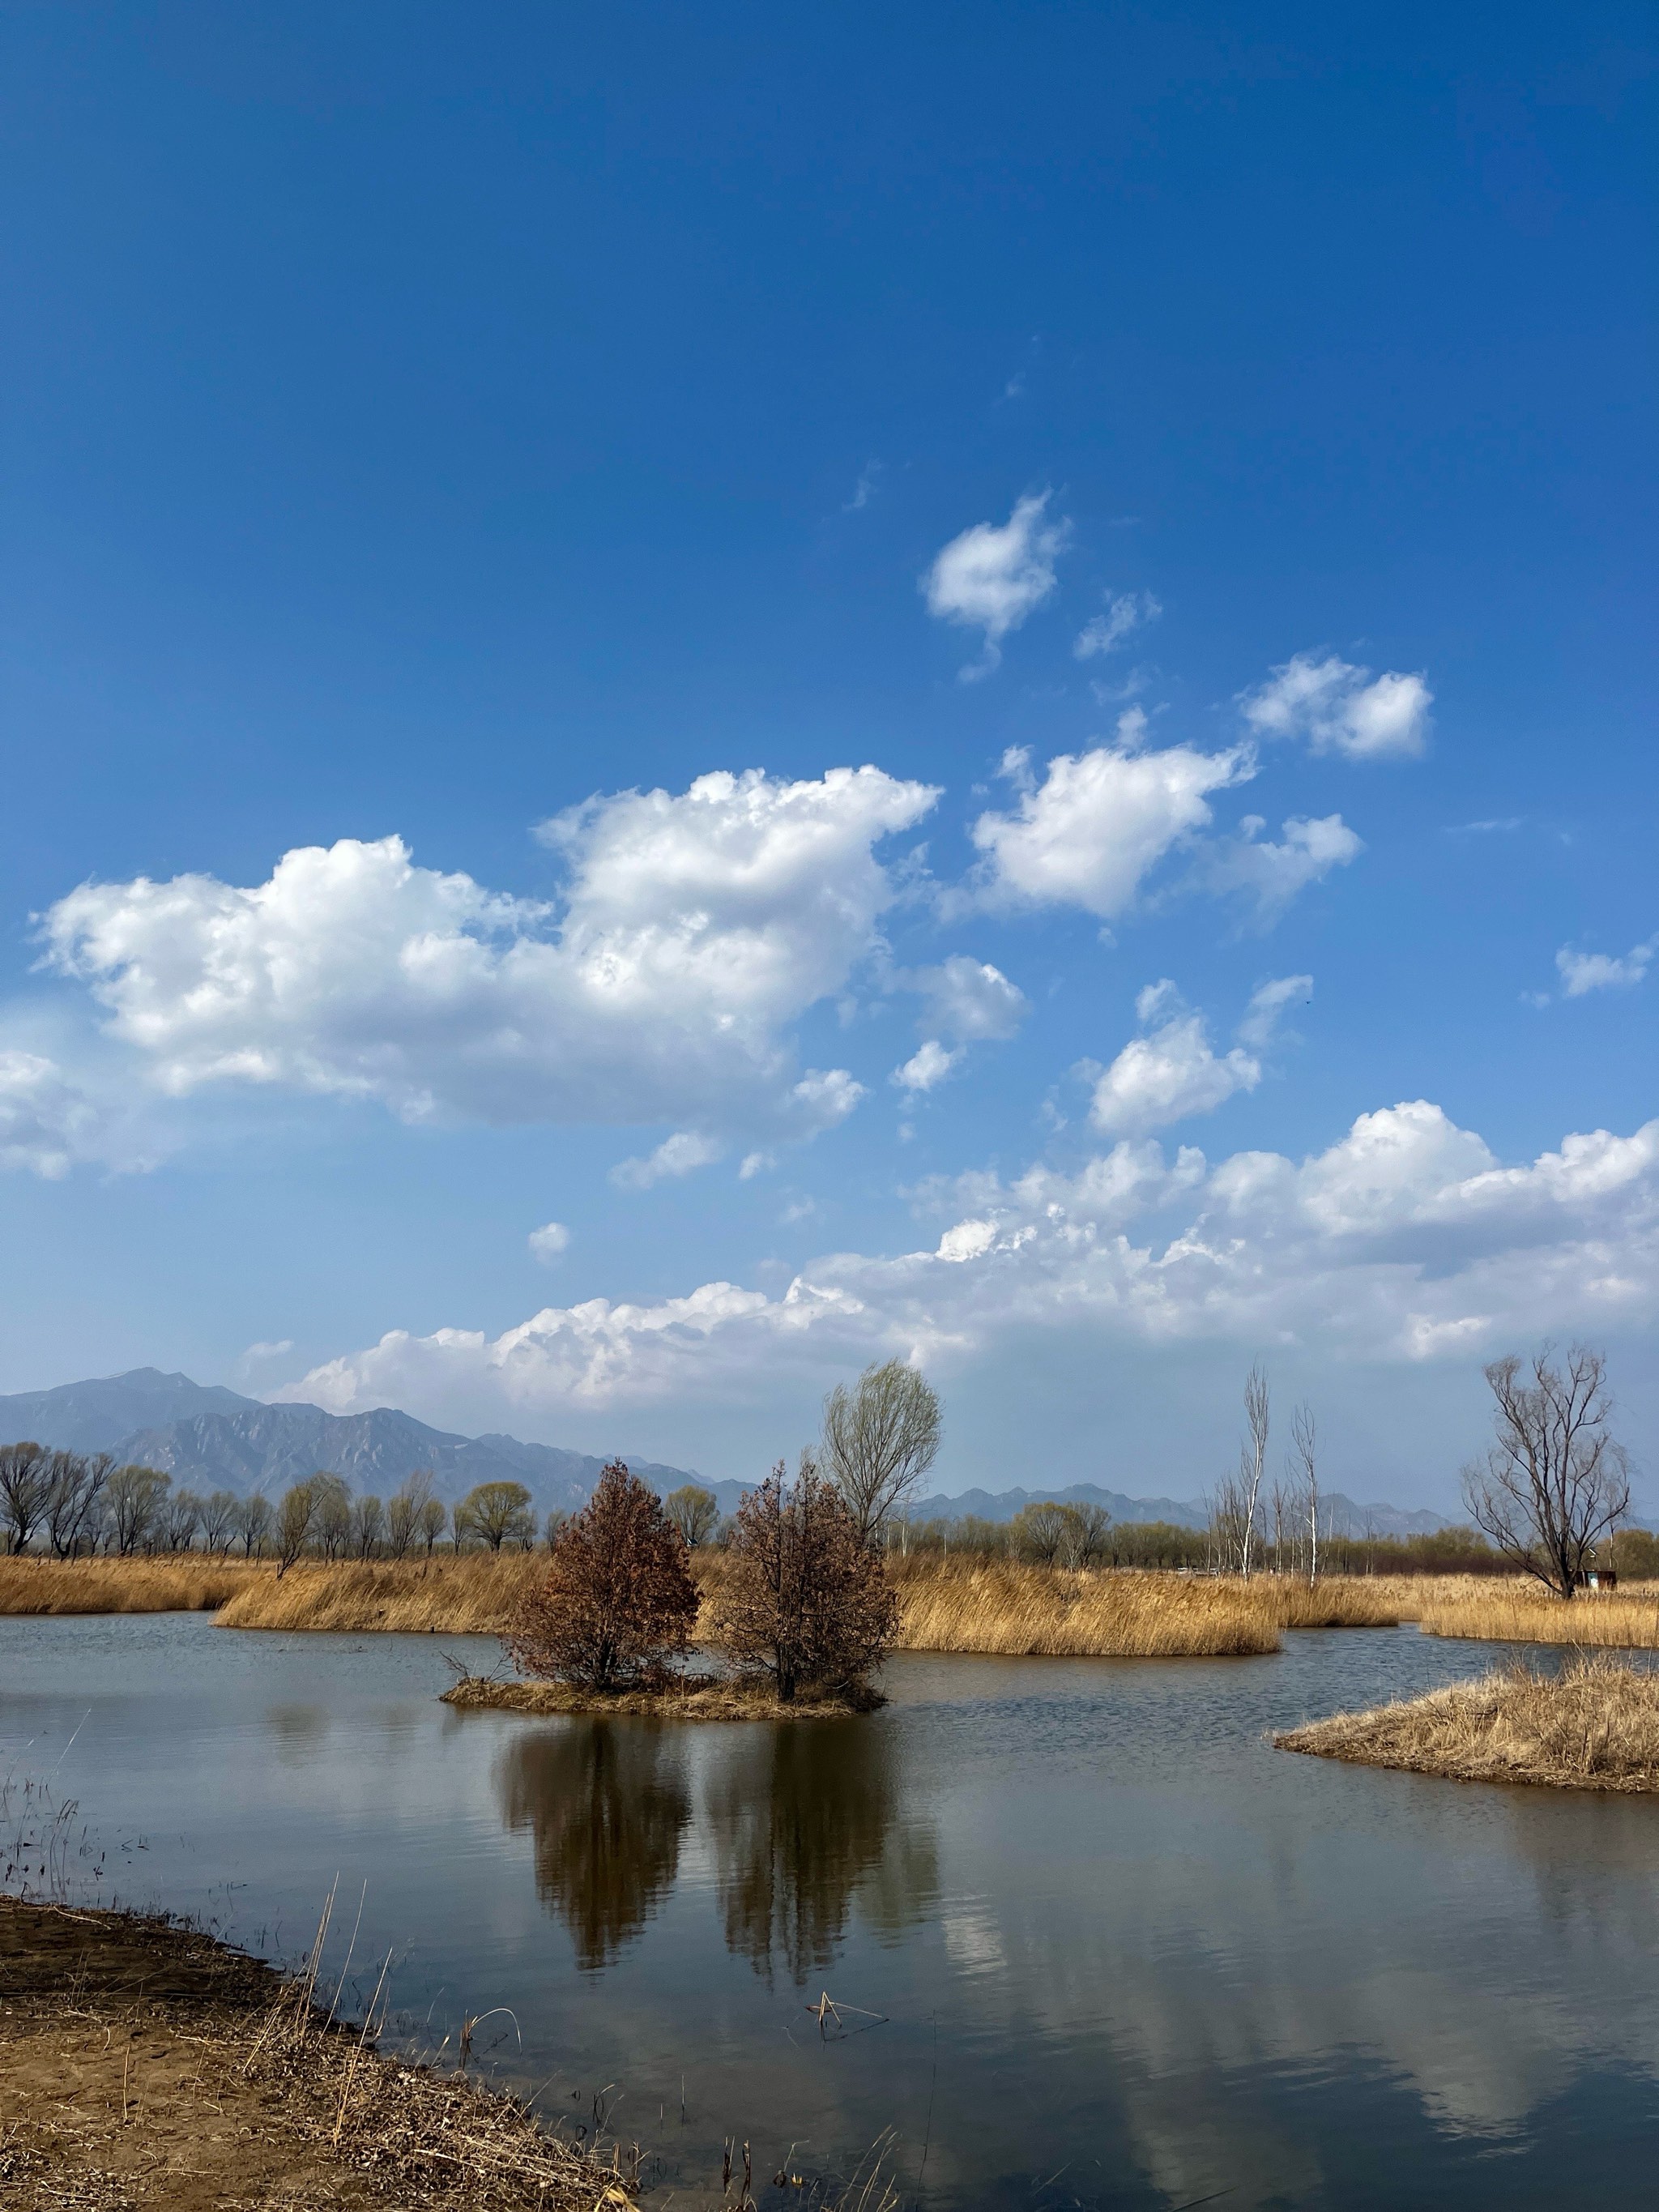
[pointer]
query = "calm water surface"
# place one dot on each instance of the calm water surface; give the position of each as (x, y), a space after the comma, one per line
(1109, 1949)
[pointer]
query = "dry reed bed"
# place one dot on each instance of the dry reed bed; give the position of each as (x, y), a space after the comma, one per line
(472, 1596)
(177, 1585)
(1525, 1612)
(1595, 1726)
(947, 1605)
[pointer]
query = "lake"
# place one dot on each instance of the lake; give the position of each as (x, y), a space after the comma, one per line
(1092, 1941)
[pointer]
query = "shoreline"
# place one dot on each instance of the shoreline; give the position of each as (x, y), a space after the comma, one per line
(1593, 1726)
(697, 1697)
(150, 2065)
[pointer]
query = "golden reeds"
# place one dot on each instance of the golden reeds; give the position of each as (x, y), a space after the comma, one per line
(472, 1596)
(960, 1604)
(162, 1585)
(1595, 1726)
(694, 1698)
(1516, 1612)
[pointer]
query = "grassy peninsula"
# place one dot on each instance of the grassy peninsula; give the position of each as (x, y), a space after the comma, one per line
(1593, 1726)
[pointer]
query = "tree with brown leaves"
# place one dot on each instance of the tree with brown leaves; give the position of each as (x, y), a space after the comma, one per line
(806, 1601)
(618, 1602)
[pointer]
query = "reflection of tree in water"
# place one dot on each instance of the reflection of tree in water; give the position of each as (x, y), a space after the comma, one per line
(804, 1820)
(608, 1804)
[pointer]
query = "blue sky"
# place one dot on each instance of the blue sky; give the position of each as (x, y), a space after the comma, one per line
(432, 426)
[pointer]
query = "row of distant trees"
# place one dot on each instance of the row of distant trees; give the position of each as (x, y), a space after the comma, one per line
(68, 1505)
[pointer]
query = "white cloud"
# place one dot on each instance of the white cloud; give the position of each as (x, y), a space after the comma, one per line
(1126, 612)
(549, 1241)
(1168, 1076)
(994, 575)
(1099, 824)
(1404, 1241)
(1270, 876)
(1338, 708)
(694, 930)
(677, 1155)
(47, 1121)
(927, 1068)
(279, 1350)
(967, 999)
(1266, 1008)
(754, 1163)
(1581, 972)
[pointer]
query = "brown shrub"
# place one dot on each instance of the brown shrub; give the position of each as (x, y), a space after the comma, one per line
(805, 1600)
(618, 1601)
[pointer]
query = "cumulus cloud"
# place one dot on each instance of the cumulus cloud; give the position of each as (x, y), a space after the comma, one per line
(1404, 1240)
(1268, 876)
(694, 929)
(966, 999)
(549, 1241)
(1091, 832)
(1170, 1075)
(678, 1155)
(995, 574)
(1126, 612)
(1583, 972)
(927, 1068)
(1341, 709)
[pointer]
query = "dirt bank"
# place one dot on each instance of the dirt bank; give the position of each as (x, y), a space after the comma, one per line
(145, 2066)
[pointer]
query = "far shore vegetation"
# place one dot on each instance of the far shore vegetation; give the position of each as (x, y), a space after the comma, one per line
(1594, 1725)
(81, 1535)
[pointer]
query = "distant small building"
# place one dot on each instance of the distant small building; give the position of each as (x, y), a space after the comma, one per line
(1598, 1578)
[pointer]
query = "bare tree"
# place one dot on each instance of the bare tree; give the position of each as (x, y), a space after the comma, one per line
(693, 1511)
(297, 1517)
(431, 1521)
(221, 1516)
(367, 1526)
(135, 1498)
(879, 1439)
(333, 1496)
(402, 1512)
(180, 1518)
(496, 1513)
(75, 1502)
(25, 1487)
(1253, 1458)
(1554, 1480)
(1304, 1471)
(253, 1524)
(1038, 1531)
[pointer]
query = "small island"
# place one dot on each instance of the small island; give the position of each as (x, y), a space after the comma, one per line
(1594, 1725)
(805, 1615)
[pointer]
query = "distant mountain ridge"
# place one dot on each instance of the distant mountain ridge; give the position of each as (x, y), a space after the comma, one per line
(211, 1438)
(208, 1437)
(1338, 1514)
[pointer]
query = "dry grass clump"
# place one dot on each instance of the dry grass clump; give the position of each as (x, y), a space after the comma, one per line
(692, 1698)
(998, 1605)
(145, 2066)
(175, 1585)
(1524, 1613)
(474, 1595)
(1595, 1726)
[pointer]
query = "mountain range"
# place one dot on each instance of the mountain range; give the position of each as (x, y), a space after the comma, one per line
(211, 1438)
(208, 1437)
